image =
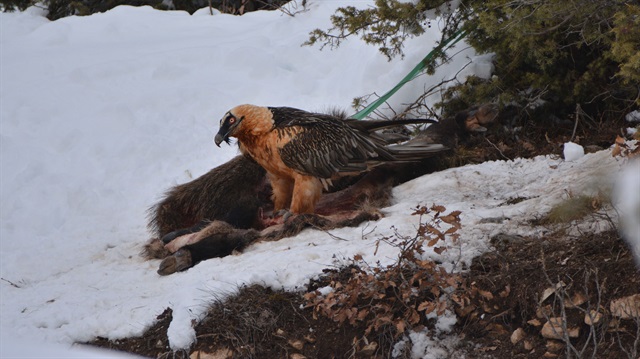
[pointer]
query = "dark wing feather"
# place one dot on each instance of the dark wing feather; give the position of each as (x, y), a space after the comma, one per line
(374, 125)
(324, 145)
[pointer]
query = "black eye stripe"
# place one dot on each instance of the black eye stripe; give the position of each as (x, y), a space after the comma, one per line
(226, 118)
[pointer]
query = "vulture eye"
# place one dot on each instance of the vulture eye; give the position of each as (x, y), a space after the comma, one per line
(231, 120)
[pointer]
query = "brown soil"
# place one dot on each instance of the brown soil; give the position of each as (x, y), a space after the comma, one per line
(505, 290)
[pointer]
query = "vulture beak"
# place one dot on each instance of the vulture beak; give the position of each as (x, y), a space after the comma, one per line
(227, 125)
(220, 138)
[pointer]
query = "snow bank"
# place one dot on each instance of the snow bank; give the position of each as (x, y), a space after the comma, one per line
(101, 114)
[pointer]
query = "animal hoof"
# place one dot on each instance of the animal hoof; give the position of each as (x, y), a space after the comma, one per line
(177, 262)
(276, 218)
(286, 215)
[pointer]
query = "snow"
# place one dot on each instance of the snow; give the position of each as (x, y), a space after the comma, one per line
(101, 114)
(633, 116)
(572, 151)
(627, 201)
(36, 350)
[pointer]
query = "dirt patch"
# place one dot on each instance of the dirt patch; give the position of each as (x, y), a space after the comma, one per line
(152, 344)
(257, 322)
(518, 286)
(531, 280)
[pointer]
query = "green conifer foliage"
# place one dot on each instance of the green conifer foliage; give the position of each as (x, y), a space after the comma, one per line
(549, 55)
(626, 47)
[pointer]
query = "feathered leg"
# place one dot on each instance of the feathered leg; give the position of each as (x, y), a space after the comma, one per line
(306, 193)
(282, 192)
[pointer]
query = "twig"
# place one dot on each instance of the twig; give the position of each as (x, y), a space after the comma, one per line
(496, 147)
(10, 282)
(575, 125)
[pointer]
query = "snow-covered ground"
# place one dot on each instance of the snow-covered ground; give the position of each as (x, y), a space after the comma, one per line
(101, 114)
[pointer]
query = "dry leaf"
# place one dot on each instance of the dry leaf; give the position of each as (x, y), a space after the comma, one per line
(517, 336)
(576, 300)
(505, 293)
(425, 306)
(362, 314)
(553, 329)
(627, 307)
(296, 344)
(437, 208)
(593, 317)
(439, 250)
(534, 322)
(616, 151)
(369, 349)
(486, 294)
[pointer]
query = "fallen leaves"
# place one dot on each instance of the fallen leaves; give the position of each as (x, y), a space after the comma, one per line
(401, 295)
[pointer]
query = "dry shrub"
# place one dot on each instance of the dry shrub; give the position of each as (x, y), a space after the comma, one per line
(389, 301)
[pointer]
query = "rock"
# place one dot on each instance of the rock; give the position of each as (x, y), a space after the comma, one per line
(553, 329)
(297, 356)
(593, 317)
(517, 336)
(626, 308)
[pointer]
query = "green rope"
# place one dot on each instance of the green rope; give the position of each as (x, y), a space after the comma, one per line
(459, 35)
